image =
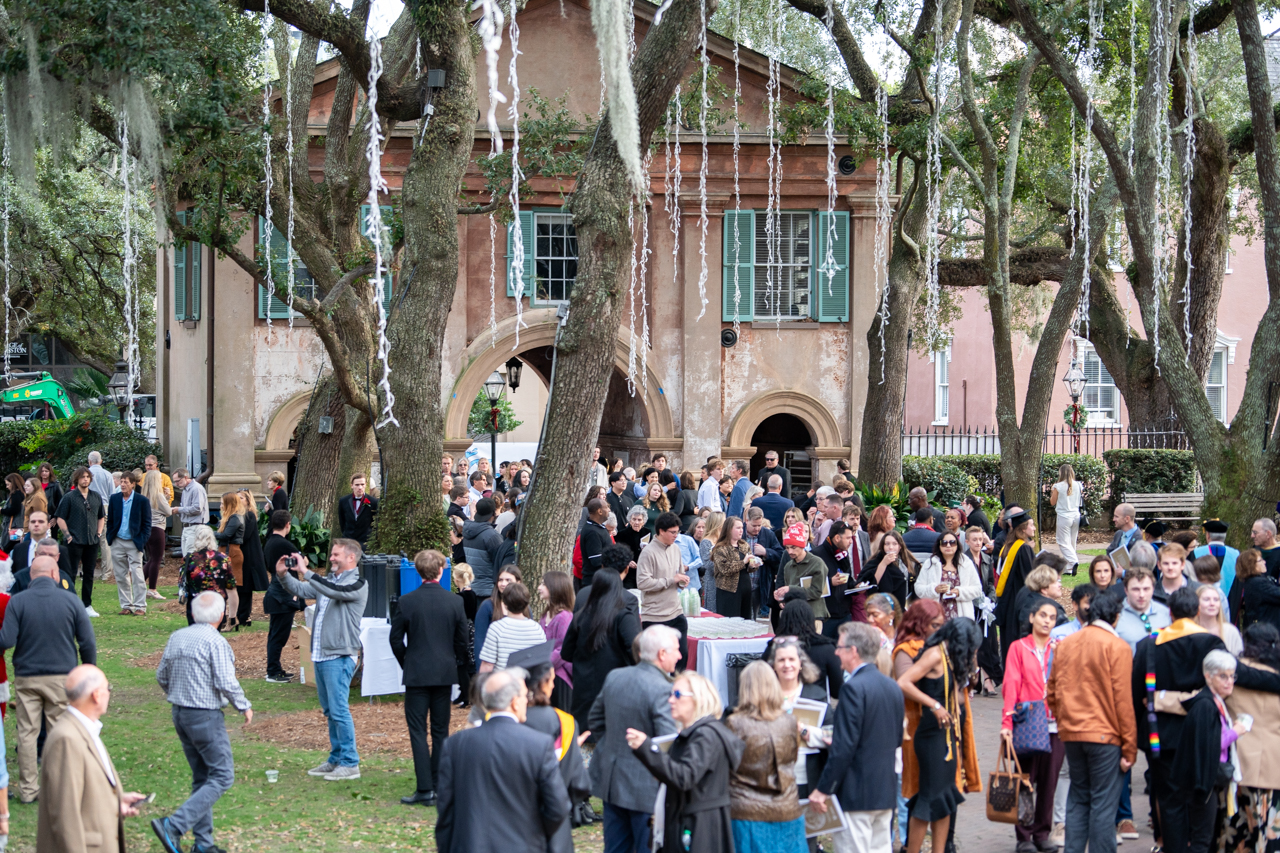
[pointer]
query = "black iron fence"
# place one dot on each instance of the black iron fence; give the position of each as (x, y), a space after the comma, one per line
(1092, 441)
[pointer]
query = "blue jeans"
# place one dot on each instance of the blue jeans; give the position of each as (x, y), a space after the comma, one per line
(208, 749)
(333, 684)
(1125, 811)
(903, 816)
(625, 831)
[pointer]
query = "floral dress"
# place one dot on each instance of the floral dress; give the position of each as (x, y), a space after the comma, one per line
(206, 570)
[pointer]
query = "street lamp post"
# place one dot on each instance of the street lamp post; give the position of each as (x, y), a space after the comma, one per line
(1075, 380)
(493, 390)
(119, 387)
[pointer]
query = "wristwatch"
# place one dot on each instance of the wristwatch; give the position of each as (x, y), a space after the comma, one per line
(936, 706)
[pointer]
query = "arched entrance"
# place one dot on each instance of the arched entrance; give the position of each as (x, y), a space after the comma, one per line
(787, 436)
(817, 426)
(279, 450)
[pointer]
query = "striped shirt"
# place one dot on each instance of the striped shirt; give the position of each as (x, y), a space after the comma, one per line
(508, 636)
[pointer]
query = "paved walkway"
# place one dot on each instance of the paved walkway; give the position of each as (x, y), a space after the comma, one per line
(975, 834)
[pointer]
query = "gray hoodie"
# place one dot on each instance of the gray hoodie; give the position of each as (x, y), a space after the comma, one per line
(340, 631)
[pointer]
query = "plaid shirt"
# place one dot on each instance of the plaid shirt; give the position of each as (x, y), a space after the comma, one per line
(198, 670)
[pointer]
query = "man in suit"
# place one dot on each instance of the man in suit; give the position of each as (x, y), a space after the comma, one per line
(868, 729)
(1127, 531)
(84, 803)
(774, 503)
(356, 511)
(279, 605)
(47, 548)
(920, 537)
(25, 551)
(432, 620)
(500, 784)
(634, 697)
(128, 531)
(773, 469)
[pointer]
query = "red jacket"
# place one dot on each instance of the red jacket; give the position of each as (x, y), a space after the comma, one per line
(1024, 678)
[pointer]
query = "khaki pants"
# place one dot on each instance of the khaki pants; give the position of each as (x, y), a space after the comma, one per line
(131, 584)
(35, 697)
(104, 558)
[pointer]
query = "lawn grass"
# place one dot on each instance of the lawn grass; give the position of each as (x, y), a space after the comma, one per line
(299, 813)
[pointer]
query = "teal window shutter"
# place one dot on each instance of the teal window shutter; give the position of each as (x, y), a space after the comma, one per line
(277, 253)
(833, 284)
(527, 238)
(738, 260)
(180, 275)
(195, 263)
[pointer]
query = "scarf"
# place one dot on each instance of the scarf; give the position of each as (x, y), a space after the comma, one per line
(1008, 561)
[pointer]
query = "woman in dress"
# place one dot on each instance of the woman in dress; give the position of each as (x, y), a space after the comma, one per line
(230, 536)
(556, 593)
(881, 521)
(48, 482)
(153, 491)
(1026, 675)
(1253, 828)
(513, 632)
(1211, 618)
(949, 577)
(938, 681)
(889, 567)
(732, 571)
(714, 521)
(599, 638)
(763, 799)
(1066, 497)
(919, 622)
(206, 568)
(799, 678)
(696, 769)
(655, 503)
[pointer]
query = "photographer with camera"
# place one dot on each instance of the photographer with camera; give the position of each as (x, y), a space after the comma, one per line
(278, 604)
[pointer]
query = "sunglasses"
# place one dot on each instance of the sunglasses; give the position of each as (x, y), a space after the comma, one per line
(681, 694)
(949, 543)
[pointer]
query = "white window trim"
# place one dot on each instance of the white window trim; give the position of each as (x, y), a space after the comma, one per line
(531, 289)
(1226, 361)
(1227, 270)
(1228, 343)
(1095, 419)
(938, 418)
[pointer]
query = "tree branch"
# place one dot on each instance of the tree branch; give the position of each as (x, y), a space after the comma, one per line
(1027, 267)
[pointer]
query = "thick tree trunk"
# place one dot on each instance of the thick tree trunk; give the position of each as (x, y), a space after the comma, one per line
(600, 205)
(411, 517)
(319, 455)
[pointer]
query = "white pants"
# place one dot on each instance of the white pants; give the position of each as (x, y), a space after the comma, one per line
(1068, 531)
(1060, 795)
(131, 586)
(189, 539)
(868, 833)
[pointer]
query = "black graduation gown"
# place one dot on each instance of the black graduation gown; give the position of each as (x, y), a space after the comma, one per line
(545, 719)
(1195, 766)
(1007, 605)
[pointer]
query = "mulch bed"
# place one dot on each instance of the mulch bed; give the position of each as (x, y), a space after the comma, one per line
(380, 728)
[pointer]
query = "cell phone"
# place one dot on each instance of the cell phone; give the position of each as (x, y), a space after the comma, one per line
(149, 798)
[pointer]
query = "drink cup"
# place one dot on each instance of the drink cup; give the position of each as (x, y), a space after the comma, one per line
(273, 776)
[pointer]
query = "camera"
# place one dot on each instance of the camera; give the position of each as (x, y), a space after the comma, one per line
(291, 561)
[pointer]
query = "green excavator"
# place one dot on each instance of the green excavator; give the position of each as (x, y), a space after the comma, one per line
(44, 394)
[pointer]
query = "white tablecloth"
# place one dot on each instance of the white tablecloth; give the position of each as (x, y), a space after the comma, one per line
(711, 657)
(382, 674)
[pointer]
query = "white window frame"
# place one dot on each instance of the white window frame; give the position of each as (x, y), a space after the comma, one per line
(1228, 269)
(800, 262)
(1096, 418)
(941, 361)
(1225, 344)
(541, 216)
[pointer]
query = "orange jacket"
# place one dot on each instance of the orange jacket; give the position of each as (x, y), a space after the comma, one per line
(1090, 690)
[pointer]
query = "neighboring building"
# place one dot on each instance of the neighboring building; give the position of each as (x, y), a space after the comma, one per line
(794, 381)
(954, 390)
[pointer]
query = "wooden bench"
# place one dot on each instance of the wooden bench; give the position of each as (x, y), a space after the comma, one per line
(1173, 506)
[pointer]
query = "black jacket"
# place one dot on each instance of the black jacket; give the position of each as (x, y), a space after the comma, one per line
(1007, 604)
(763, 475)
(822, 651)
(591, 668)
(277, 599)
(894, 580)
(22, 553)
(1259, 602)
(44, 626)
(868, 728)
(696, 772)
(544, 718)
(432, 621)
(139, 519)
(838, 602)
(500, 789)
(1029, 600)
(979, 518)
(279, 499)
(22, 580)
(356, 526)
(1195, 765)
(12, 510)
(1177, 665)
(592, 543)
(620, 505)
(254, 565)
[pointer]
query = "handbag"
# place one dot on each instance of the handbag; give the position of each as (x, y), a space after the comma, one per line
(1030, 727)
(1009, 793)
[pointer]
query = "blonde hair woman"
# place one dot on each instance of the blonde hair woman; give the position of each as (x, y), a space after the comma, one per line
(655, 504)
(715, 520)
(697, 768)
(153, 491)
(35, 500)
(1066, 498)
(763, 799)
(230, 536)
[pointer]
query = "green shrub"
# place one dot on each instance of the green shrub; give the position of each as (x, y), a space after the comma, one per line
(984, 468)
(309, 534)
(66, 444)
(12, 454)
(947, 483)
(896, 498)
(1089, 471)
(1149, 472)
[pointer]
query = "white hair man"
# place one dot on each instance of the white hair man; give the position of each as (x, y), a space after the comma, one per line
(198, 675)
(1263, 534)
(634, 697)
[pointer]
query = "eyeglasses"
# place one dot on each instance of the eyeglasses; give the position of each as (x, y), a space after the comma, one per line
(681, 694)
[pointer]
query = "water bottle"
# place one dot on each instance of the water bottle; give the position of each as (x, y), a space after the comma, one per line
(686, 839)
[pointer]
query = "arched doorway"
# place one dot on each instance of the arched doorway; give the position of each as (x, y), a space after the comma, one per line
(788, 436)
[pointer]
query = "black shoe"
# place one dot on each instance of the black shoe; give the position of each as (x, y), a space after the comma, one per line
(280, 678)
(170, 844)
(214, 849)
(420, 798)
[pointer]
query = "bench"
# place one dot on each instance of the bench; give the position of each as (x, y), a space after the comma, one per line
(1174, 506)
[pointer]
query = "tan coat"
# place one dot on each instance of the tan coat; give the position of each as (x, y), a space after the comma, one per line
(79, 808)
(1258, 748)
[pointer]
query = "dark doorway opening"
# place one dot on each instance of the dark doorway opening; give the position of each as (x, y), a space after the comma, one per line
(788, 436)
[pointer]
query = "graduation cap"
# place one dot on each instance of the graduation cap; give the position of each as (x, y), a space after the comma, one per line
(1213, 525)
(531, 658)
(1018, 520)
(1155, 529)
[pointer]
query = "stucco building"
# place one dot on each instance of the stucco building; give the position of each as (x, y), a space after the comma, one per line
(794, 379)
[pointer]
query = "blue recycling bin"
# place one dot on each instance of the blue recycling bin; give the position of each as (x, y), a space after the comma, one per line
(409, 580)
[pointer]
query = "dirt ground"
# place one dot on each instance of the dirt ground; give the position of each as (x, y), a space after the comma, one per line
(380, 728)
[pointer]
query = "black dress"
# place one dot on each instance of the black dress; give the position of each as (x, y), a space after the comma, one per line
(938, 796)
(630, 538)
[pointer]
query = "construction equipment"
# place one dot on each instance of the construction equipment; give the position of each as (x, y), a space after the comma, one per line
(48, 399)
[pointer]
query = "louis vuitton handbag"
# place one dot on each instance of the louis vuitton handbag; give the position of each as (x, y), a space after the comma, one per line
(1010, 798)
